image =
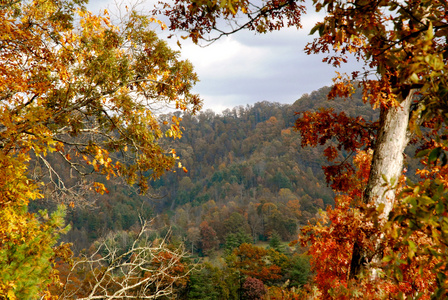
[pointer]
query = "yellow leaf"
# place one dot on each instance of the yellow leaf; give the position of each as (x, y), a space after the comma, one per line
(11, 295)
(414, 78)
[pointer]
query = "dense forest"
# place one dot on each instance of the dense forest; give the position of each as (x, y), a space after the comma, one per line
(247, 181)
(238, 162)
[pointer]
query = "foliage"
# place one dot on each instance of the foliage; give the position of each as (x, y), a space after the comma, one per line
(404, 45)
(229, 177)
(263, 264)
(101, 80)
(331, 238)
(419, 228)
(211, 282)
(26, 253)
(403, 48)
(413, 28)
(253, 289)
(276, 292)
(275, 242)
(350, 133)
(209, 241)
(404, 272)
(300, 271)
(234, 240)
(272, 15)
(82, 90)
(236, 215)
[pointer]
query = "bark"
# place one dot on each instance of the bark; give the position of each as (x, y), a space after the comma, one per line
(387, 164)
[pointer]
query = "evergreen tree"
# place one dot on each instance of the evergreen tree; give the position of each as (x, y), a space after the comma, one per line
(275, 242)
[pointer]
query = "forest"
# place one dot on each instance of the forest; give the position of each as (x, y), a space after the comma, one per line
(251, 182)
(107, 194)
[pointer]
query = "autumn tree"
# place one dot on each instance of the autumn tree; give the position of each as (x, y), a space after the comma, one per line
(266, 265)
(75, 85)
(209, 240)
(203, 21)
(405, 50)
(253, 289)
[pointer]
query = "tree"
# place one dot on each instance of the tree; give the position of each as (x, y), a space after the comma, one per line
(26, 264)
(209, 240)
(75, 85)
(193, 236)
(234, 240)
(404, 45)
(299, 272)
(199, 19)
(211, 282)
(407, 55)
(143, 270)
(275, 242)
(263, 264)
(253, 289)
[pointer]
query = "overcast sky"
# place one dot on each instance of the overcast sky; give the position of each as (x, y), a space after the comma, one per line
(246, 68)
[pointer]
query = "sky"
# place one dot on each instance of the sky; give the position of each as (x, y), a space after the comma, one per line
(246, 68)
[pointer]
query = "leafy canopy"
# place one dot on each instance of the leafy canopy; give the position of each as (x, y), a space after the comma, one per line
(76, 85)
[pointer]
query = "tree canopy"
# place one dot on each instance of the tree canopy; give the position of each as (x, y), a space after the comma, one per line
(77, 85)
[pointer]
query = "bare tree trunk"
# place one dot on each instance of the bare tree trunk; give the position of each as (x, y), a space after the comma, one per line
(387, 165)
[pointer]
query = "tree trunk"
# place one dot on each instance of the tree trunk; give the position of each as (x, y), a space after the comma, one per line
(387, 163)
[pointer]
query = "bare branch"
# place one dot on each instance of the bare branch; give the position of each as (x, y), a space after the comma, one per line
(148, 270)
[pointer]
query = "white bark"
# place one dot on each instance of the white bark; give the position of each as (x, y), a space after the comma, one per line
(387, 166)
(387, 162)
(145, 271)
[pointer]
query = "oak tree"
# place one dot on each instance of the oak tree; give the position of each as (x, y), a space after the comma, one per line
(404, 47)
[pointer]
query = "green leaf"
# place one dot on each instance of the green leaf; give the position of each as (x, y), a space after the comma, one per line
(393, 180)
(387, 259)
(398, 274)
(434, 155)
(422, 153)
(412, 249)
(315, 28)
(425, 200)
(441, 277)
(413, 202)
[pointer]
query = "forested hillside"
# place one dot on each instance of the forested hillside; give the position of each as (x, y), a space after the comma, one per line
(246, 187)
(247, 172)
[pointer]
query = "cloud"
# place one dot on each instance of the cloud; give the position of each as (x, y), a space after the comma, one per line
(245, 68)
(225, 59)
